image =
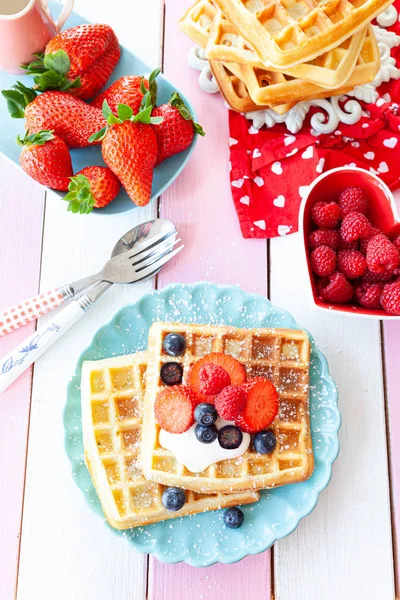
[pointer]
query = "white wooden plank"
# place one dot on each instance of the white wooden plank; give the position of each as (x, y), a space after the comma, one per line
(344, 548)
(66, 551)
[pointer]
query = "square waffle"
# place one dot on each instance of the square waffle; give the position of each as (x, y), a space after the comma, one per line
(273, 88)
(285, 33)
(112, 394)
(329, 70)
(282, 355)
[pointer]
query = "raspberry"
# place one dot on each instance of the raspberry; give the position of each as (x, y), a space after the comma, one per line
(173, 409)
(355, 226)
(324, 237)
(390, 299)
(369, 277)
(364, 243)
(369, 294)
(382, 256)
(231, 402)
(351, 263)
(234, 368)
(261, 407)
(325, 214)
(396, 243)
(213, 379)
(336, 289)
(353, 199)
(323, 261)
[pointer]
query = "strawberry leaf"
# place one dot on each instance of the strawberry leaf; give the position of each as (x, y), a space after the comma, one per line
(35, 139)
(99, 135)
(59, 62)
(177, 102)
(79, 197)
(125, 113)
(109, 115)
(15, 103)
(153, 86)
(76, 83)
(49, 80)
(144, 116)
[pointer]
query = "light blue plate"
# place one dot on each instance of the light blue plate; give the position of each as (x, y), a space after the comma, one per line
(129, 64)
(202, 540)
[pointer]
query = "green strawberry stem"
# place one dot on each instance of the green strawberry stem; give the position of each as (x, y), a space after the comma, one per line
(184, 111)
(35, 139)
(50, 72)
(150, 95)
(80, 198)
(18, 98)
(125, 113)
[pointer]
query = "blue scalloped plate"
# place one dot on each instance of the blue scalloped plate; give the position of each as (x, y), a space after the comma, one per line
(129, 64)
(202, 540)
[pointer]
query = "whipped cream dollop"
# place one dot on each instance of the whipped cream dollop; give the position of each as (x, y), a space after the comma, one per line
(195, 455)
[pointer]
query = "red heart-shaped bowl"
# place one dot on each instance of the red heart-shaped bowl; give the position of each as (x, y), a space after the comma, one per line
(382, 213)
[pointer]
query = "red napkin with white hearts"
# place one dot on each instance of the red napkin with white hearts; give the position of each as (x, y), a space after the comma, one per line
(271, 168)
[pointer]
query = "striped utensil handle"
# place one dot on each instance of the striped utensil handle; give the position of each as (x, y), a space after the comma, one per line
(30, 310)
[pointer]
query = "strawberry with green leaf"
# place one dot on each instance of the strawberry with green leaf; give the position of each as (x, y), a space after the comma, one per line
(93, 187)
(177, 130)
(129, 148)
(129, 90)
(80, 60)
(70, 118)
(45, 157)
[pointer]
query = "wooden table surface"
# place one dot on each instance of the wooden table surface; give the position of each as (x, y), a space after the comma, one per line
(52, 546)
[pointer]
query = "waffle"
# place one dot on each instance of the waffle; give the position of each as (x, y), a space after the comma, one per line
(282, 355)
(112, 392)
(329, 70)
(285, 33)
(273, 88)
(232, 87)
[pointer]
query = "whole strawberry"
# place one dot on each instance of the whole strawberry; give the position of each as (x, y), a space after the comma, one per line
(93, 187)
(129, 148)
(70, 118)
(126, 90)
(80, 59)
(177, 130)
(45, 157)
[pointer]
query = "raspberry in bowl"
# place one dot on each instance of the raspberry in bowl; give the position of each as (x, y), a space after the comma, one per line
(351, 235)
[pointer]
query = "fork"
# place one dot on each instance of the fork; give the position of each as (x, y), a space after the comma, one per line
(129, 267)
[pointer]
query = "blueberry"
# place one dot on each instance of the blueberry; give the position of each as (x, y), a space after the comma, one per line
(171, 373)
(173, 498)
(174, 344)
(233, 518)
(205, 414)
(230, 437)
(264, 442)
(205, 434)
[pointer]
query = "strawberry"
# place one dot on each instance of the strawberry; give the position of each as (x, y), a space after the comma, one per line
(127, 90)
(45, 157)
(176, 131)
(129, 148)
(231, 402)
(261, 407)
(70, 118)
(213, 379)
(80, 59)
(173, 409)
(233, 367)
(93, 187)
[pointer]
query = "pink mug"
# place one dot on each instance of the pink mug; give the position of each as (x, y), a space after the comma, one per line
(25, 28)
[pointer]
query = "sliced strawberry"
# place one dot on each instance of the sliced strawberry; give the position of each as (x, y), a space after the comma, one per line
(262, 405)
(234, 368)
(174, 408)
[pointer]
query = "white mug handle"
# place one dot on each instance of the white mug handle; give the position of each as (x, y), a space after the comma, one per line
(66, 11)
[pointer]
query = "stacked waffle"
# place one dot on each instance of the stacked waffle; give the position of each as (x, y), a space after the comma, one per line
(275, 53)
(129, 467)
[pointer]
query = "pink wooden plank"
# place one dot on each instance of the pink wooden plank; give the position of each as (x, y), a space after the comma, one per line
(21, 216)
(200, 204)
(392, 358)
